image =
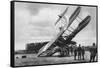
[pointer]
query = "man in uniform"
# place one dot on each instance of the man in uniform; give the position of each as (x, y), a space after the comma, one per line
(75, 53)
(79, 49)
(83, 52)
(71, 50)
(93, 52)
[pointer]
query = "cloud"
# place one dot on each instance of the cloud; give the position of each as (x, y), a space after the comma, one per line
(46, 17)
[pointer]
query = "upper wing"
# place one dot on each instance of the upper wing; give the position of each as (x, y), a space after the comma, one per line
(61, 15)
(64, 12)
(74, 15)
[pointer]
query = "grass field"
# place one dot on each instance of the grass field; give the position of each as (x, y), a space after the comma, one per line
(31, 59)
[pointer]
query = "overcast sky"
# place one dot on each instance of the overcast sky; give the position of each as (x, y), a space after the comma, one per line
(35, 22)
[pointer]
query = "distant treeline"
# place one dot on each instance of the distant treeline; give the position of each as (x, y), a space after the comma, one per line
(35, 47)
(31, 48)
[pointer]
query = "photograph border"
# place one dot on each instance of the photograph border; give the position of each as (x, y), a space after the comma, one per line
(12, 31)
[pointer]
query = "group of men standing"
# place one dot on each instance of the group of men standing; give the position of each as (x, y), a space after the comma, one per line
(80, 52)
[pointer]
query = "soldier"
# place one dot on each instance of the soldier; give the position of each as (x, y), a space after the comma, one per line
(93, 52)
(83, 52)
(67, 50)
(79, 49)
(71, 50)
(75, 53)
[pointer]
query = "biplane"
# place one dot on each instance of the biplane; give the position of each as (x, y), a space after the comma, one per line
(63, 39)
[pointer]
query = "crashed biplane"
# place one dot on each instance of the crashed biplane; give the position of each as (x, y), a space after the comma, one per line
(62, 40)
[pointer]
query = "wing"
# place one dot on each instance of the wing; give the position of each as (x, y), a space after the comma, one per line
(74, 15)
(57, 20)
(64, 12)
(61, 15)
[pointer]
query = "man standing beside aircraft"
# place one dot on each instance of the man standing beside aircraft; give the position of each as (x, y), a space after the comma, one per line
(93, 52)
(83, 52)
(79, 49)
(75, 52)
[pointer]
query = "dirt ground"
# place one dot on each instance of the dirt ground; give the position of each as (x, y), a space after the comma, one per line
(32, 60)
